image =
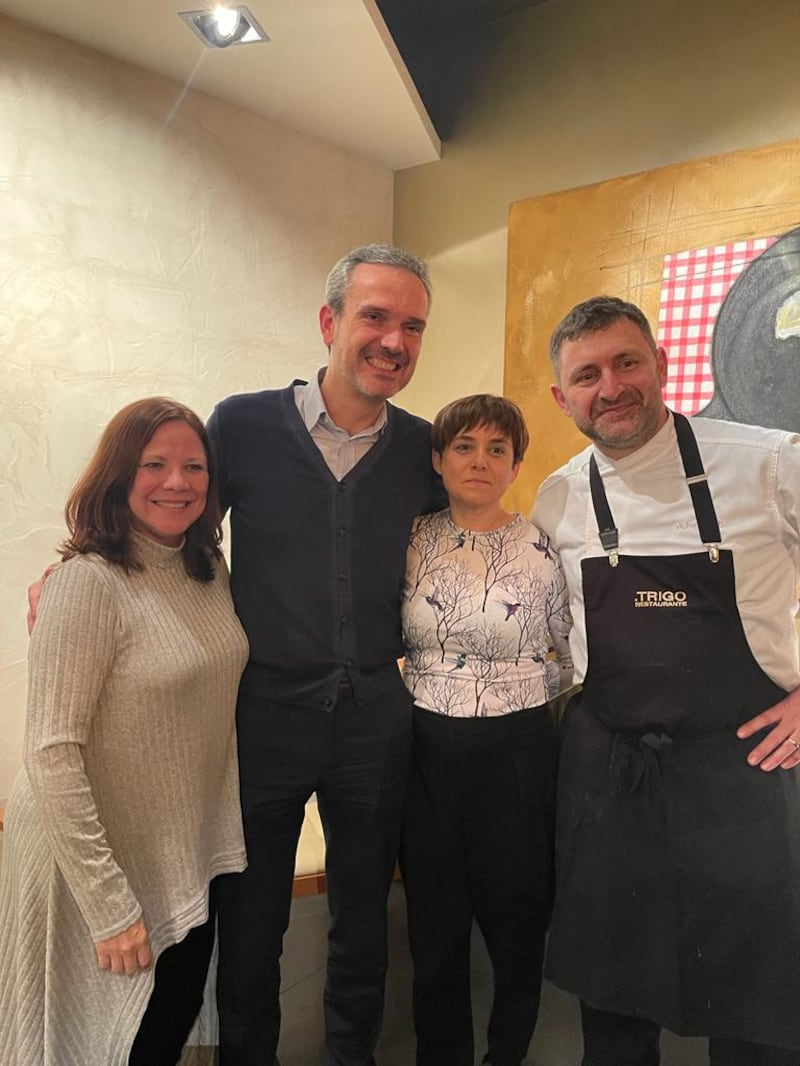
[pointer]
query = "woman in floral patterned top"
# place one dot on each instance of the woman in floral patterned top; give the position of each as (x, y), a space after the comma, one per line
(486, 622)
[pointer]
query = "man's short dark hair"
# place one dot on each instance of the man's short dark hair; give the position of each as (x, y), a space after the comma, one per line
(468, 413)
(593, 315)
(380, 255)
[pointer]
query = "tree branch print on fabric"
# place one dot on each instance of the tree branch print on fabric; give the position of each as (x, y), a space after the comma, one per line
(485, 652)
(527, 593)
(451, 600)
(477, 614)
(424, 556)
(501, 550)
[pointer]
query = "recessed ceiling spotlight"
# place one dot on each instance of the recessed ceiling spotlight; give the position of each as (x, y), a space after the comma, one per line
(224, 26)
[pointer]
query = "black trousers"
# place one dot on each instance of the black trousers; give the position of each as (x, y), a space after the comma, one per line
(356, 759)
(176, 998)
(619, 1040)
(478, 844)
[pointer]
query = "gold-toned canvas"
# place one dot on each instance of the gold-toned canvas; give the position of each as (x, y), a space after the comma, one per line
(612, 237)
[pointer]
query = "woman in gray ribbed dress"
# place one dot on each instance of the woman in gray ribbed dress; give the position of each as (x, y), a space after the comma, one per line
(127, 806)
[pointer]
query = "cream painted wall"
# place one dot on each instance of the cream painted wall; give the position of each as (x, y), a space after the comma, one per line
(574, 92)
(147, 246)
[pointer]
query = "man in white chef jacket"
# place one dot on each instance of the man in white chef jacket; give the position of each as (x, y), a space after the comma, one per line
(678, 893)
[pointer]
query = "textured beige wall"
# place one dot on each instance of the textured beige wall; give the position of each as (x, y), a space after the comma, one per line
(574, 92)
(141, 252)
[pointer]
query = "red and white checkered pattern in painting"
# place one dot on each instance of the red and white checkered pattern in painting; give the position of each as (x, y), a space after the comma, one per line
(693, 286)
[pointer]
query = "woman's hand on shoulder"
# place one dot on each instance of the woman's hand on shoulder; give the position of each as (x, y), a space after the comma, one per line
(35, 594)
(128, 952)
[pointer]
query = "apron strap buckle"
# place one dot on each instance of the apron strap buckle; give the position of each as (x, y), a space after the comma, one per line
(609, 538)
(713, 552)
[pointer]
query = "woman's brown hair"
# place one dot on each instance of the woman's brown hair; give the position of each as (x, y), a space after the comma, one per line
(483, 409)
(97, 512)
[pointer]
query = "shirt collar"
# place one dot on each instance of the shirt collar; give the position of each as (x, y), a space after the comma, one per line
(311, 405)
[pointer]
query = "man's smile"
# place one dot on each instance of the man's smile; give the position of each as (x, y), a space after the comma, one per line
(380, 362)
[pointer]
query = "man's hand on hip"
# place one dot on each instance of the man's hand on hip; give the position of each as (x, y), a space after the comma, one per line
(780, 748)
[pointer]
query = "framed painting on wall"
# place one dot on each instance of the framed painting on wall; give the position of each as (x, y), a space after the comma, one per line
(710, 250)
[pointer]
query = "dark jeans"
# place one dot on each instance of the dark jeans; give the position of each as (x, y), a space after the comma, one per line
(176, 998)
(618, 1040)
(478, 845)
(356, 759)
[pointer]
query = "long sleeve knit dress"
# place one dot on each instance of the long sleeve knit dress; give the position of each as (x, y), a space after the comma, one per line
(128, 803)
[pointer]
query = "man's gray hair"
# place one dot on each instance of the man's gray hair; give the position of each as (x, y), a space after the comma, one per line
(596, 314)
(379, 254)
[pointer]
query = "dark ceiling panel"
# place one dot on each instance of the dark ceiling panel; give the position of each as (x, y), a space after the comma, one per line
(441, 42)
(474, 13)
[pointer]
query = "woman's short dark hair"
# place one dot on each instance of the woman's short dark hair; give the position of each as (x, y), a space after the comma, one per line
(481, 410)
(98, 514)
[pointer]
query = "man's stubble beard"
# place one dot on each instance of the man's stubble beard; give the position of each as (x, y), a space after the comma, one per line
(645, 427)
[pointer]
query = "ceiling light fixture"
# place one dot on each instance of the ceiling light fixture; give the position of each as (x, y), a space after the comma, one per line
(224, 26)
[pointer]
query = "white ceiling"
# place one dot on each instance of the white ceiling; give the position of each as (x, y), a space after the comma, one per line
(330, 69)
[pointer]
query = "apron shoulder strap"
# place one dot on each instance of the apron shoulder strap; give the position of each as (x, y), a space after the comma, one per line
(609, 534)
(697, 480)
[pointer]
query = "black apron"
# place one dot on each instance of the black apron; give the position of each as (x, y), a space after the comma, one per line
(678, 892)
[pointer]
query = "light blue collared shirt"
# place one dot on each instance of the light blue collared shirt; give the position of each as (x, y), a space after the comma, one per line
(339, 450)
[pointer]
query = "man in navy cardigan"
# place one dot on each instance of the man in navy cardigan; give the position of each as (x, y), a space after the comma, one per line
(323, 480)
